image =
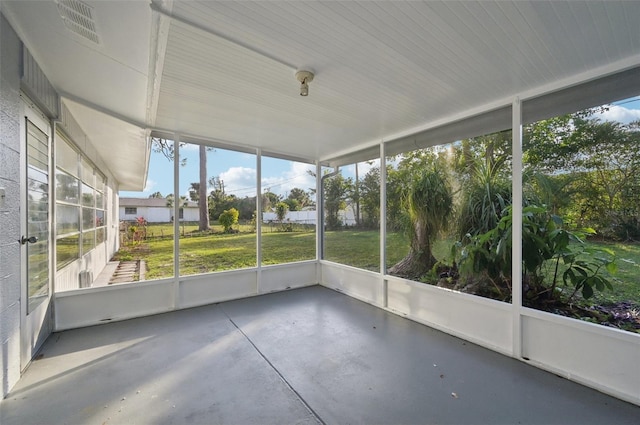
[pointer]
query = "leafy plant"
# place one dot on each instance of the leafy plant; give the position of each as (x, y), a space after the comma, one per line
(551, 255)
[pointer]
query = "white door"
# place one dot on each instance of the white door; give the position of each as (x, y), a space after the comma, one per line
(35, 239)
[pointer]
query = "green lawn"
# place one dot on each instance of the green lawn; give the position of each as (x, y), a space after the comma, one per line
(217, 251)
(626, 280)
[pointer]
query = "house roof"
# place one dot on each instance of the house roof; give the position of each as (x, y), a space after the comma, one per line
(223, 72)
(150, 202)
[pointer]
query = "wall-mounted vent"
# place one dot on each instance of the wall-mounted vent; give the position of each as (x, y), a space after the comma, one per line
(78, 17)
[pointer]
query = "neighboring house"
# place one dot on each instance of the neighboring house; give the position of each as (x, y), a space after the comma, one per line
(155, 210)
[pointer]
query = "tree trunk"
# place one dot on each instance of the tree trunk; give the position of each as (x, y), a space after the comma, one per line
(420, 260)
(203, 205)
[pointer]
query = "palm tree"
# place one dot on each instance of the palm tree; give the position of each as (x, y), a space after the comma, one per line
(203, 205)
(485, 197)
(428, 202)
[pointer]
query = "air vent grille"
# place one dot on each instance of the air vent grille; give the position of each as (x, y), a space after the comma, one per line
(78, 17)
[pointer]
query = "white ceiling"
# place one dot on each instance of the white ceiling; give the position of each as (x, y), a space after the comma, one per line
(225, 69)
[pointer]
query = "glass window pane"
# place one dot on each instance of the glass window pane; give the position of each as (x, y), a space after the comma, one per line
(66, 157)
(224, 239)
(88, 176)
(100, 201)
(99, 218)
(88, 218)
(101, 235)
(87, 196)
(352, 216)
(288, 211)
(37, 216)
(67, 219)
(146, 232)
(88, 241)
(67, 250)
(440, 202)
(67, 187)
(581, 214)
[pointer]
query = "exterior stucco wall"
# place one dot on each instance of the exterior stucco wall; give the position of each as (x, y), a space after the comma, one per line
(9, 212)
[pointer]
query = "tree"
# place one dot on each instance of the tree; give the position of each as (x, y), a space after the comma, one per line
(156, 195)
(167, 148)
(194, 191)
(302, 197)
(428, 201)
(370, 198)
(228, 218)
(292, 204)
(219, 201)
(281, 212)
(335, 194)
(595, 163)
(269, 200)
(483, 168)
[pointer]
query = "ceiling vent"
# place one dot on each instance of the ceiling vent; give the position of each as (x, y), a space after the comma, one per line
(78, 17)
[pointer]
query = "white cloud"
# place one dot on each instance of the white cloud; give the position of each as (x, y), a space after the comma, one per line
(619, 114)
(295, 176)
(239, 181)
(363, 168)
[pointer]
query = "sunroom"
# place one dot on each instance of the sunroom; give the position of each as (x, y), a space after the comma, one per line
(394, 171)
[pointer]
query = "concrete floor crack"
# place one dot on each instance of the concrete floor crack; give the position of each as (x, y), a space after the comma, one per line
(286, 382)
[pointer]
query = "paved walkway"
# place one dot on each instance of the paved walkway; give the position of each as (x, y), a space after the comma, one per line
(121, 272)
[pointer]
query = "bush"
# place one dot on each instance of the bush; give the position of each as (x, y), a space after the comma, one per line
(228, 218)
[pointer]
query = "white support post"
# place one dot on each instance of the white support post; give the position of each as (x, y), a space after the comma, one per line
(319, 219)
(259, 217)
(176, 221)
(383, 224)
(516, 254)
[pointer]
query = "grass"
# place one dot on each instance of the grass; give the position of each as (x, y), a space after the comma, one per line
(215, 251)
(626, 280)
(203, 253)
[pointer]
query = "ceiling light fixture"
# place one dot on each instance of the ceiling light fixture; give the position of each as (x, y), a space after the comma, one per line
(305, 77)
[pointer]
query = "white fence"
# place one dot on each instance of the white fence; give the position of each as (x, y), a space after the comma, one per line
(347, 217)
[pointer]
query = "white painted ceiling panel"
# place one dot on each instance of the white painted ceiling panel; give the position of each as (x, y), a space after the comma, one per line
(123, 147)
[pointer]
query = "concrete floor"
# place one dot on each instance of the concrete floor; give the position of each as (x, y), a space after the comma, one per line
(299, 357)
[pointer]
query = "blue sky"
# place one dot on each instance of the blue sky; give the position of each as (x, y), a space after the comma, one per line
(238, 170)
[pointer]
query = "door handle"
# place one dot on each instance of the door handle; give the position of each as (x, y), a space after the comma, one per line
(32, 239)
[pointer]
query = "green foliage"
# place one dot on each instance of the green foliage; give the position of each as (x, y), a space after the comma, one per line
(545, 245)
(292, 204)
(228, 218)
(269, 200)
(597, 167)
(485, 197)
(335, 194)
(281, 210)
(429, 203)
(300, 198)
(370, 198)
